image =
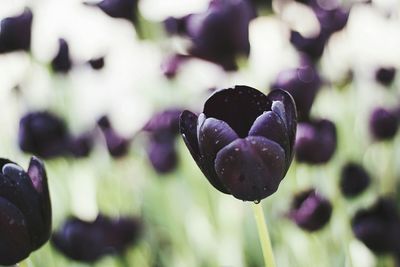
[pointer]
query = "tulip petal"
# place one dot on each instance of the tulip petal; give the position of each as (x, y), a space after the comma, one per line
(188, 129)
(213, 135)
(271, 126)
(188, 126)
(283, 104)
(38, 176)
(251, 168)
(15, 239)
(238, 107)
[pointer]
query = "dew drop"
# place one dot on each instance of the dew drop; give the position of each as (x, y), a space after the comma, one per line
(257, 201)
(237, 149)
(216, 142)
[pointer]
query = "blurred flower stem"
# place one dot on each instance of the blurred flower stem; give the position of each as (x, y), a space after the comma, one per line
(263, 235)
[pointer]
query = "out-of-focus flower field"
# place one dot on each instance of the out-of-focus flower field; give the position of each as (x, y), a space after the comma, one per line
(124, 167)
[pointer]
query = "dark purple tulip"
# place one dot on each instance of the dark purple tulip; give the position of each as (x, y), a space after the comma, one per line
(43, 134)
(383, 124)
(385, 76)
(303, 84)
(89, 241)
(163, 156)
(124, 9)
(378, 227)
(61, 62)
(25, 210)
(97, 63)
(315, 141)
(221, 33)
(313, 47)
(163, 128)
(354, 179)
(310, 211)
(243, 140)
(117, 145)
(15, 32)
(331, 20)
(81, 146)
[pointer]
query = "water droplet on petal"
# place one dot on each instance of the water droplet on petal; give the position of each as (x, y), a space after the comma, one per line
(257, 201)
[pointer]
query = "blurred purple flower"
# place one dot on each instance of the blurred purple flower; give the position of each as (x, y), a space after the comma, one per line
(316, 141)
(117, 145)
(378, 227)
(61, 62)
(171, 65)
(385, 76)
(163, 129)
(383, 124)
(89, 241)
(310, 211)
(15, 32)
(124, 9)
(303, 84)
(81, 146)
(96, 63)
(218, 35)
(43, 134)
(354, 179)
(243, 140)
(331, 19)
(25, 210)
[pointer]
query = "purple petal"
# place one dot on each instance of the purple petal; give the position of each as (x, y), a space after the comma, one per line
(251, 168)
(287, 111)
(239, 107)
(271, 126)
(188, 129)
(15, 240)
(213, 135)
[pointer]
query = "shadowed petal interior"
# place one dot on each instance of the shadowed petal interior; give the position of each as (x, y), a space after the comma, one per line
(239, 107)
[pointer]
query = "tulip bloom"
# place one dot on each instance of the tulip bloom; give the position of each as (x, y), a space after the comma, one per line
(15, 33)
(243, 141)
(89, 241)
(310, 211)
(25, 210)
(378, 227)
(61, 63)
(163, 128)
(43, 134)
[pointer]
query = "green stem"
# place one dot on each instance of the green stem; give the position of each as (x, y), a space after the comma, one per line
(264, 236)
